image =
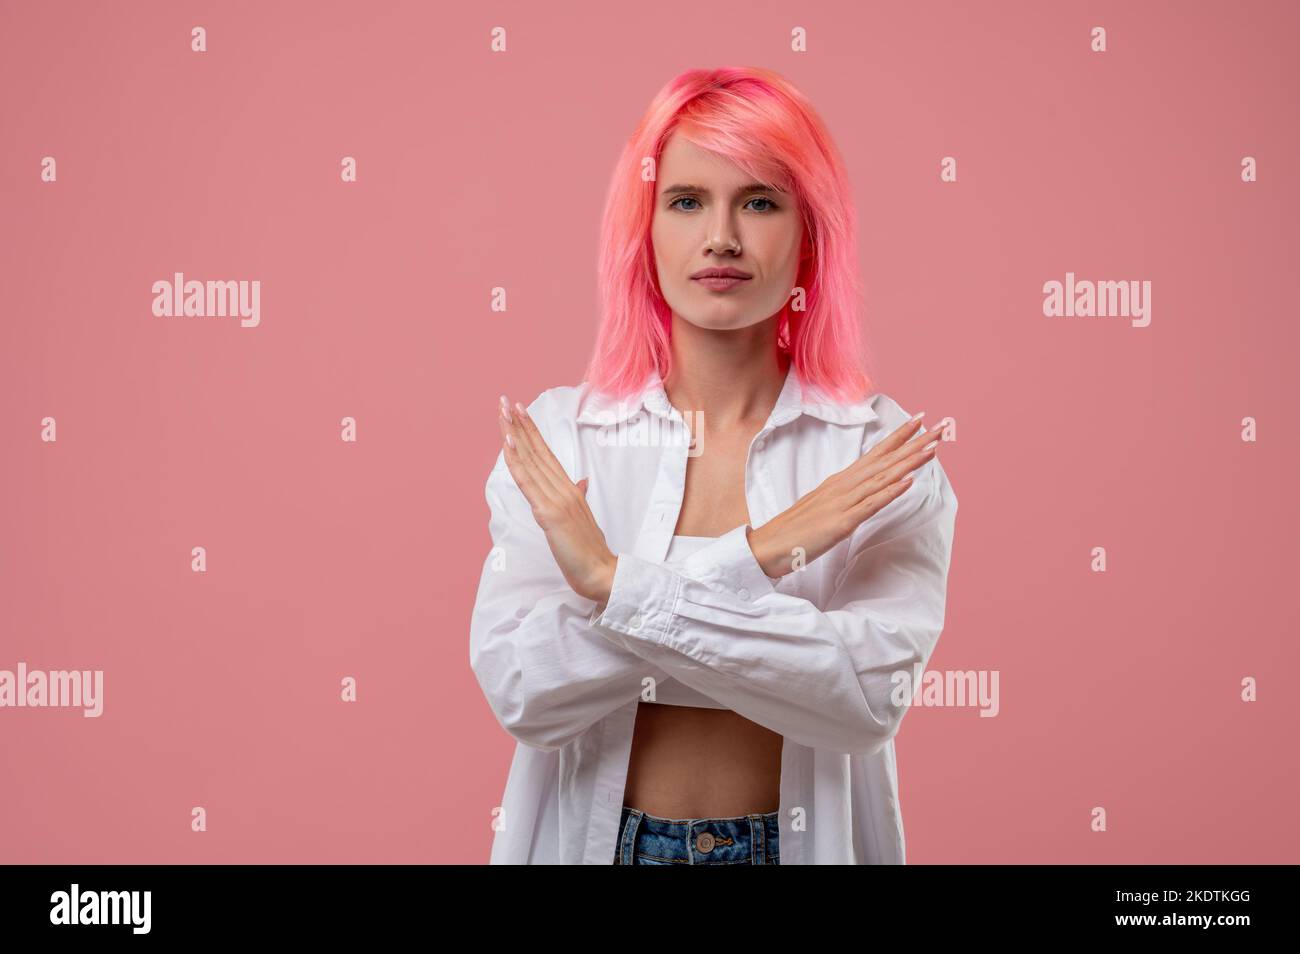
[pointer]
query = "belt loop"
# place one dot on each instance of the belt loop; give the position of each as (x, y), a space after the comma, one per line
(627, 847)
(756, 840)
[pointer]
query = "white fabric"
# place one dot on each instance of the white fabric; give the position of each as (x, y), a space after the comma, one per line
(814, 655)
(671, 692)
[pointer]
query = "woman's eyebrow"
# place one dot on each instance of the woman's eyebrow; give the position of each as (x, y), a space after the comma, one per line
(751, 187)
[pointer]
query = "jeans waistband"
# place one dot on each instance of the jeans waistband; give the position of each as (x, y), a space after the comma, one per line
(737, 840)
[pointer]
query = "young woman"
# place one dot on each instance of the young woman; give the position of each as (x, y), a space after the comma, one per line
(720, 562)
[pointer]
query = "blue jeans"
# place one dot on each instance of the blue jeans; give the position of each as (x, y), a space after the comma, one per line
(650, 840)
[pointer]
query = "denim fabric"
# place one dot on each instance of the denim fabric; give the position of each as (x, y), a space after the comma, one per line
(650, 840)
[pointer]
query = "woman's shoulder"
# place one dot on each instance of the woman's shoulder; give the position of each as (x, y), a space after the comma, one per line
(559, 407)
(889, 416)
(562, 400)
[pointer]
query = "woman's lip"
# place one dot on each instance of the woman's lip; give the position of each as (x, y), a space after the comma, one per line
(719, 283)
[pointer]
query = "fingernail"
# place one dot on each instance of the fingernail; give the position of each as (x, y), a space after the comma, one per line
(520, 407)
(505, 408)
(510, 442)
(917, 417)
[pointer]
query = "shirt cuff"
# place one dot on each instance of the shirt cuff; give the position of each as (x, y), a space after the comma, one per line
(644, 594)
(641, 599)
(729, 564)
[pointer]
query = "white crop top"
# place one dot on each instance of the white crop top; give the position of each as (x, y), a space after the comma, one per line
(671, 692)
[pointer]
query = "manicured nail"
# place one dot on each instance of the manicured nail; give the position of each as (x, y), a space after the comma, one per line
(510, 442)
(520, 407)
(505, 409)
(917, 417)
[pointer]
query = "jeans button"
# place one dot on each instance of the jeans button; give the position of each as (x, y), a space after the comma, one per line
(704, 843)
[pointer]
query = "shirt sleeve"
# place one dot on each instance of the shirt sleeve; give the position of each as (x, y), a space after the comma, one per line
(548, 675)
(823, 677)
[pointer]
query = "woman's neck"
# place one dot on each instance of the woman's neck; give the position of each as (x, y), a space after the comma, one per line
(732, 377)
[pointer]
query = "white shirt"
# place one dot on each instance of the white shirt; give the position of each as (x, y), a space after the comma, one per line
(671, 692)
(812, 655)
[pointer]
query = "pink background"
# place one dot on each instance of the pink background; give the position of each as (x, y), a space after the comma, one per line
(479, 169)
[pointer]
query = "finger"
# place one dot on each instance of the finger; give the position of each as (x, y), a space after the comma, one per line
(536, 442)
(537, 493)
(521, 467)
(918, 441)
(869, 465)
(909, 462)
(523, 448)
(897, 471)
(540, 452)
(530, 451)
(899, 435)
(876, 502)
(887, 445)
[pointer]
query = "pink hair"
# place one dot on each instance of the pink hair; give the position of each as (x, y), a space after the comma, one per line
(757, 119)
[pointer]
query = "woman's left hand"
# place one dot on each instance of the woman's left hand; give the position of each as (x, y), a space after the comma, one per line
(559, 506)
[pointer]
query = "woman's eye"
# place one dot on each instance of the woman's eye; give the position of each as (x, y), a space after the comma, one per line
(758, 198)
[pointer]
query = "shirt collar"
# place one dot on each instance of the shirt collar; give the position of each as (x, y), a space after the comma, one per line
(794, 399)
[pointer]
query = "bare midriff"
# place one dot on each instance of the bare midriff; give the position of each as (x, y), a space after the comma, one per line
(702, 763)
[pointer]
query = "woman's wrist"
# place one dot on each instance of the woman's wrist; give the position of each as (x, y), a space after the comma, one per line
(605, 578)
(761, 547)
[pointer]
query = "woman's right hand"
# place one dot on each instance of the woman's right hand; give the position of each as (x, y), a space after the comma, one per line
(828, 514)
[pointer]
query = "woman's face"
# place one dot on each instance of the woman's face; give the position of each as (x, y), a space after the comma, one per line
(710, 215)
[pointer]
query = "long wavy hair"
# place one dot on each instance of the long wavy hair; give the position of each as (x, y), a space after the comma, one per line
(758, 120)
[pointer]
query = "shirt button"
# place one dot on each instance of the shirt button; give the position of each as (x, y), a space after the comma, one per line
(635, 622)
(743, 594)
(704, 842)
(758, 445)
